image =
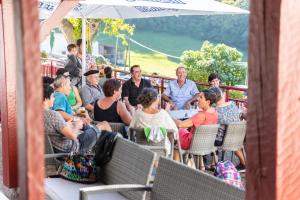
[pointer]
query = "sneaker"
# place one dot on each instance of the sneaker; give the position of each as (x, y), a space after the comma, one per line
(240, 167)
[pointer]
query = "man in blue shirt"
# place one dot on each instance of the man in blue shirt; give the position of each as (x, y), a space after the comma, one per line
(181, 92)
(62, 86)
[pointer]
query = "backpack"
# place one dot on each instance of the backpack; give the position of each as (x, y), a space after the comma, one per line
(226, 171)
(104, 147)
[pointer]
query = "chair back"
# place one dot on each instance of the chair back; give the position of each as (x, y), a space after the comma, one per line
(138, 135)
(203, 140)
(234, 137)
(130, 164)
(119, 128)
(49, 150)
(177, 181)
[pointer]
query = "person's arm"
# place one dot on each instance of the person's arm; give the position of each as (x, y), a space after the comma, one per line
(123, 112)
(125, 96)
(187, 105)
(68, 133)
(196, 120)
(78, 98)
(195, 92)
(166, 96)
(87, 99)
(89, 107)
(129, 107)
(67, 117)
(183, 124)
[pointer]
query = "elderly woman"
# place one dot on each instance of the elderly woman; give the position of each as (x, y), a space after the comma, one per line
(110, 108)
(206, 116)
(228, 113)
(64, 134)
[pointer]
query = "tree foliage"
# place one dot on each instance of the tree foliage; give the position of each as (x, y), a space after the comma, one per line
(218, 58)
(72, 29)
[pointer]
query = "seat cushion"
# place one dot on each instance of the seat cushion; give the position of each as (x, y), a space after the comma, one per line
(60, 189)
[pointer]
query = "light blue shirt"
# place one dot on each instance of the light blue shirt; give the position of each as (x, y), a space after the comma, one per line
(180, 95)
(61, 103)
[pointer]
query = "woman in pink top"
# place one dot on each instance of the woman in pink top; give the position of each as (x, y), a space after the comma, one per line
(206, 116)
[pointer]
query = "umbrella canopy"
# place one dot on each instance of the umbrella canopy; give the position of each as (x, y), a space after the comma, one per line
(127, 9)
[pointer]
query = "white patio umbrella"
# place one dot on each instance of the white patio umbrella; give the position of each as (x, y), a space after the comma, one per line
(127, 9)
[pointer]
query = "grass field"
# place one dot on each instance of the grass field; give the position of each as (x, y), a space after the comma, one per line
(151, 61)
(155, 62)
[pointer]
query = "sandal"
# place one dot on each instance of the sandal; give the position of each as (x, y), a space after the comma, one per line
(210, 167)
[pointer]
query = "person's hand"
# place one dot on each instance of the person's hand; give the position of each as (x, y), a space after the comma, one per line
(174, 106)
(104, 125)
(167, 106)
(77, 125)
(187, 106)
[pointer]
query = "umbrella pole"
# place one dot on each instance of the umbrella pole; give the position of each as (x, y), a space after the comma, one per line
(83, 37)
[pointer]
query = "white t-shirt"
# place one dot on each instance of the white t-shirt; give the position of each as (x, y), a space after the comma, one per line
(161, 119)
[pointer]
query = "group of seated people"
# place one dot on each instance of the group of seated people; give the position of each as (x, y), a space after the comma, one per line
(69, 111)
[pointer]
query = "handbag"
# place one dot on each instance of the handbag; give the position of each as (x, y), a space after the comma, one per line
(189, 161)
(79, 168)
(220, 135)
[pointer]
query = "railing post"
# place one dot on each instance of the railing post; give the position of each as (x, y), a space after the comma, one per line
(115, 74)
(226, 94)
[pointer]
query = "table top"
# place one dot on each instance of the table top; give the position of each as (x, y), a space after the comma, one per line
(183, 114)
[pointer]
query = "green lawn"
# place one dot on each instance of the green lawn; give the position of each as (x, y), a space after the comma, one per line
(150, 61)
(155, 62)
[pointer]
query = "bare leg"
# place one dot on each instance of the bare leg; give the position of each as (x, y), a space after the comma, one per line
(240, 155)
(176, 155)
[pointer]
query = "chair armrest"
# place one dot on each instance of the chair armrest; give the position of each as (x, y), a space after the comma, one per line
(153, 147)
(84, 192)
(56, 155)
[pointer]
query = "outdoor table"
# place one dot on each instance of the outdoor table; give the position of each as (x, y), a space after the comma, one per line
(183, 114)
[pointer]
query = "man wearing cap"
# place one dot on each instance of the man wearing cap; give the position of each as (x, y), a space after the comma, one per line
(133, 87)
(91, 92)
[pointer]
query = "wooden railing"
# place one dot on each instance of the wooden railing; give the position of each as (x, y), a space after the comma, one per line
(163, 79)
(50, 66)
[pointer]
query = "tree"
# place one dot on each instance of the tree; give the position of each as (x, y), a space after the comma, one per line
(72, 29)
(218, 58)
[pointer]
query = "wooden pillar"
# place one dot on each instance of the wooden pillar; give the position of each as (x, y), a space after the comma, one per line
(8, 94)
(273, 128)
(23, 94)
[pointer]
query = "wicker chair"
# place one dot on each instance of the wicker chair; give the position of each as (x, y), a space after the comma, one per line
(137, 135)
(177, 181)
(130, 165)
(234, 137)
(203, 143)
(50, 156)
(119, 127)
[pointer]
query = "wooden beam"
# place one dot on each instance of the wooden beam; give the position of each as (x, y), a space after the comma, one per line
(29, 93)
(273, 128)
(8, 94)
(60, 12)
